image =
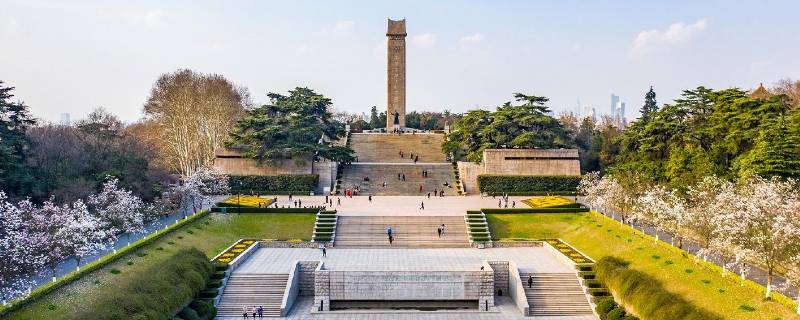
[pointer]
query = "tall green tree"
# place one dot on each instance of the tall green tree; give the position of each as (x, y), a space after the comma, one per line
(375, 119)
(526, 125)
(14, 122)
(293, 126)
(650, 104)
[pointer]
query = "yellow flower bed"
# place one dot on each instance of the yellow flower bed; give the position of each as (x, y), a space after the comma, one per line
(247, 201)
(235, 250)
(547, 202)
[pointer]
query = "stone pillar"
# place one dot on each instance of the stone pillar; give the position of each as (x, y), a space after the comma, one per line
(486, 295)
(322, 298)
(396, 74)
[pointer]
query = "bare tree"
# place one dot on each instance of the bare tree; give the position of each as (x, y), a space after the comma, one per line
(191, 115)
(790, 88)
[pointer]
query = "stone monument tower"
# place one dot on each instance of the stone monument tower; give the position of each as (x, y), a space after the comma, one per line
(396, 75)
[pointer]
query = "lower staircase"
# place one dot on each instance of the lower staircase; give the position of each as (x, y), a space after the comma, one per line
(555, 294)
(408, 231)
(252, 290)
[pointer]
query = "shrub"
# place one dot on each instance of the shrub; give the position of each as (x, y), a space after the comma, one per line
(205, 309)
(617, 314)
(604, 305)
(645, 294)
(273, 183)
(188, 314)
(506, 183)
(154, 293)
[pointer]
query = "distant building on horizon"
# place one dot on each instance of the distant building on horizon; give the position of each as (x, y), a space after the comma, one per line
(618, 111)
(65, 120)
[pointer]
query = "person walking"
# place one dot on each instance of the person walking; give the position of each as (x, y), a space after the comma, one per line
(384, 184)
(398, 176)
(429, 195)
(442, 228)
(253, 310)
(499, 203)
(260, 312)
(299, 202)
(513, 204)
(391, 239)
(420, 188)
(404, 177)
(530, 282)
(322, 248)
(439, 231)
(338, 201)
(422, 205)
(370, 198)
(244, 312)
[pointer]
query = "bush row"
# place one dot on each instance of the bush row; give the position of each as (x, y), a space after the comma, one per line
(272, 184)
(608, 309)
(645, 294)
(99, 263)
(263, 210)
(154, 293)
(525, 184)
(533, 210)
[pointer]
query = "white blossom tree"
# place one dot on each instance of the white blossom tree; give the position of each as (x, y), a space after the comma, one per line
(16, 252)
(197, 186)
(83, 232)
(768, 222)
(708, 201)
(118, 210)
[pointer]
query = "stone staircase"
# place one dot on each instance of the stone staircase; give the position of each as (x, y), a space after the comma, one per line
(409, 232)
(555, 294)
(252, 290)
(438, 174)
(385, 148)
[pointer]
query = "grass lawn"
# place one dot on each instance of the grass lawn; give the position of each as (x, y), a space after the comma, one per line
(211, 234)
(598, 236)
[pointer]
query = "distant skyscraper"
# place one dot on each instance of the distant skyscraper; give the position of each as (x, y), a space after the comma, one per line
(65, 120)
(614, 101)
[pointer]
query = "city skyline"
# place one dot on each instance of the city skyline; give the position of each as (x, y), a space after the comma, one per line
(81, 55)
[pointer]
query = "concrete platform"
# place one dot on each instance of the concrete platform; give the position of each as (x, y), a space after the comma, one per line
(280, 260)
(404, 205)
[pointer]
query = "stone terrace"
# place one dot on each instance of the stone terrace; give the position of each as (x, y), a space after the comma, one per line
(385, 148)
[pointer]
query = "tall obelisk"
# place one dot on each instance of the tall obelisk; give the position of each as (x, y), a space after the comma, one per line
(396, 75)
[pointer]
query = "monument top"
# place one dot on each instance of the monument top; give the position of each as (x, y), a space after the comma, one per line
(396, 28)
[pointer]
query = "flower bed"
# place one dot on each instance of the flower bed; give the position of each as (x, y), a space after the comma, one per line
(246, 201)
(234, 251)
(568, 251)
(550, 202)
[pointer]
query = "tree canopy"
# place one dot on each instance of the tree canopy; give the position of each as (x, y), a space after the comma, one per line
(15, 120)
(292, 126)
(526, 125)
(713, 132)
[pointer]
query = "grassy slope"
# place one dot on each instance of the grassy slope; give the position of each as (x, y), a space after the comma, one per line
(211, 234)
(599, 236)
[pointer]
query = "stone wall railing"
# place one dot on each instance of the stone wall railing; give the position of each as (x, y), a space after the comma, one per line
(516, 288)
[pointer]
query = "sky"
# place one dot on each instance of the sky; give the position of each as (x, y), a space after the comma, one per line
(75, 56)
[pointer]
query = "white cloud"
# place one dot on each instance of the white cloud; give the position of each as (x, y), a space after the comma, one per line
(676, 33)
(343, 26)
(155, 19)
(425, 40)
(471, 40)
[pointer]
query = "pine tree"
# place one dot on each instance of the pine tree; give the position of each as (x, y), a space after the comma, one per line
(650, 104)
(374, 119)
(14, 121)
(775, 152)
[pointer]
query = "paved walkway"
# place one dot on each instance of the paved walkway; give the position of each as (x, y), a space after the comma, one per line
(280, 260)
(403, 205)
(505, 310)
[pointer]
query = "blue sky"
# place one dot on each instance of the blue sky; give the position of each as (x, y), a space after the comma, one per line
(73, 56)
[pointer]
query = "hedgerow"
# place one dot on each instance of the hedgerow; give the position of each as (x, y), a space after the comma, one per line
(497, 184)
(644, 294)
(280, 183)
(155, 293)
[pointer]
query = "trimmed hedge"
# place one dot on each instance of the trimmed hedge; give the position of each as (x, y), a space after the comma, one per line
(533, 210)
(264, 210)
(155, 293)
(273, 183)
(645, 294)
(97, 264)
(607, 309)
(522, 184)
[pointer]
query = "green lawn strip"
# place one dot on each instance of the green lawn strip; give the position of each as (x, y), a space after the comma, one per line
(210, 234)
(599, 236)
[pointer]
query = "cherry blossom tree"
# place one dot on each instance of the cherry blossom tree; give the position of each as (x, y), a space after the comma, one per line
(118, 210)
(16, 250)
(768, 222)
(202, 183)
(45, 224)
(83, 233)
(707, 203)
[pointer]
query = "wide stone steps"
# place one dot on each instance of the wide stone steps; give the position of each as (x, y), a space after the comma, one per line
(408, 232)
(253, 290)
(386, 147)
(555, 294)
(438, 174)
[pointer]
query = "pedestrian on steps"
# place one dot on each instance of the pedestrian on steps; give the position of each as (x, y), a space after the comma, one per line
(244, 312)
(253, 310)
(420, 189)
(530, 282)
(442, 226)
(260, 311)
(404, 177)
(439, 231)
(398, 176)
(429, 195)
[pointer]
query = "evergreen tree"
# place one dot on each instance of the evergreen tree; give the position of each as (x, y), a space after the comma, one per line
(775, 153)
(374, 118)
(650, 104)
(14, 121)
